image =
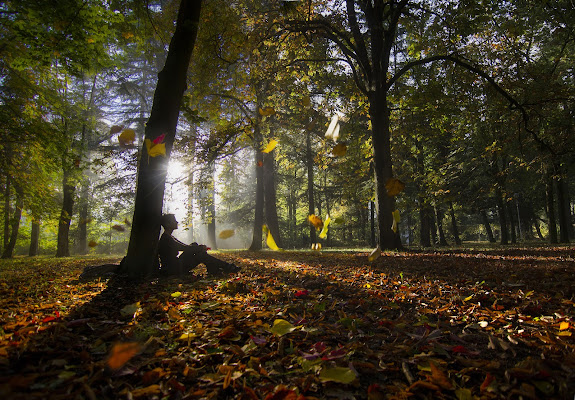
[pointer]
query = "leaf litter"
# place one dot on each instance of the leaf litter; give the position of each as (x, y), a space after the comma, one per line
(296, 325)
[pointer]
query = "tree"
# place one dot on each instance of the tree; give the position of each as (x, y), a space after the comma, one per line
(141, 257)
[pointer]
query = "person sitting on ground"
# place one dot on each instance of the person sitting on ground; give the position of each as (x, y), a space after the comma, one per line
(192, 254)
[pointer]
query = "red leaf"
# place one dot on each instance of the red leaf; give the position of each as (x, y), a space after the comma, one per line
(159, 139)
(459, 349)
(301, 293)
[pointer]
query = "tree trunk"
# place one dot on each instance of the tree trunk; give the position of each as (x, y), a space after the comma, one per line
(270, 201)
(563, 208)
(141, 258)
(372, 236)
(439, 221)
(454, 227)
(424, 228)
(6, 213)
(512, 224)
(310, 190)
(502, 213)
(83, 219)
(550, 208)
(63, 243)
(211, 208)
(260, 195)
(14, 223)
(487, 226)
(380, 135)
(34, 239)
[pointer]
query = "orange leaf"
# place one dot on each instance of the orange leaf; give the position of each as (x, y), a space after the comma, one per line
(564, 326)
(92, 243)
(121, 353)
(118, 228)
(315, 221)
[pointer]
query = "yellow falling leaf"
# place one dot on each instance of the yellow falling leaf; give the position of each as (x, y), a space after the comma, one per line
(115, 129)
(374, 255)
(306, 101)
(128, 35)
(339, 150)
(270, 239)
(271, 145)
(155, 149)
(92, 243)
(127, 137)
(394, 187)
(266, 111)
(121, 353)
(564, 326)
(315, 221)
(226, 234)
(323, 232)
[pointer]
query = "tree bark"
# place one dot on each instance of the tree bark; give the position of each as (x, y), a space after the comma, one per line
(211, 211)
(380, 135)
(550, 208)
(310, 189)
(260, 196)
(454, 228)
(6, 213)
(69, 189)
(372, 235)
(502, 213)
(270, 200)
(424, 227)
(34, 239)
(487, 226)
(141, 259)
(14, 223)
(563, 208)
(439, 222)
(83, 219)
(512, 224)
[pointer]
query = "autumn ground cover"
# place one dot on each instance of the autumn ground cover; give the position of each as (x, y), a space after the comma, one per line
(456, 325)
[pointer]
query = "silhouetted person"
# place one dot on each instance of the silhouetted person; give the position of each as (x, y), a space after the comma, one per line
(192, 254)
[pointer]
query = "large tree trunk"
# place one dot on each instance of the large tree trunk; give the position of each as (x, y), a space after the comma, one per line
(34, 239)
(141, 258)
(270, 200)
(63, 241)
(14, 223)
(380, 135)
(310, 189)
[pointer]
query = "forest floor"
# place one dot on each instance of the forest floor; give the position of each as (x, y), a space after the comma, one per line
(296, 325)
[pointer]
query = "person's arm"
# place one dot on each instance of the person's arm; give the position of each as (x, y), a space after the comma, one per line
(181, 246)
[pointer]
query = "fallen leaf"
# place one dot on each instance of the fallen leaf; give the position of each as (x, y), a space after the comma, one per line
(121, 353)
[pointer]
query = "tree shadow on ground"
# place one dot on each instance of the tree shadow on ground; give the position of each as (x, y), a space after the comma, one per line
(386, 323)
